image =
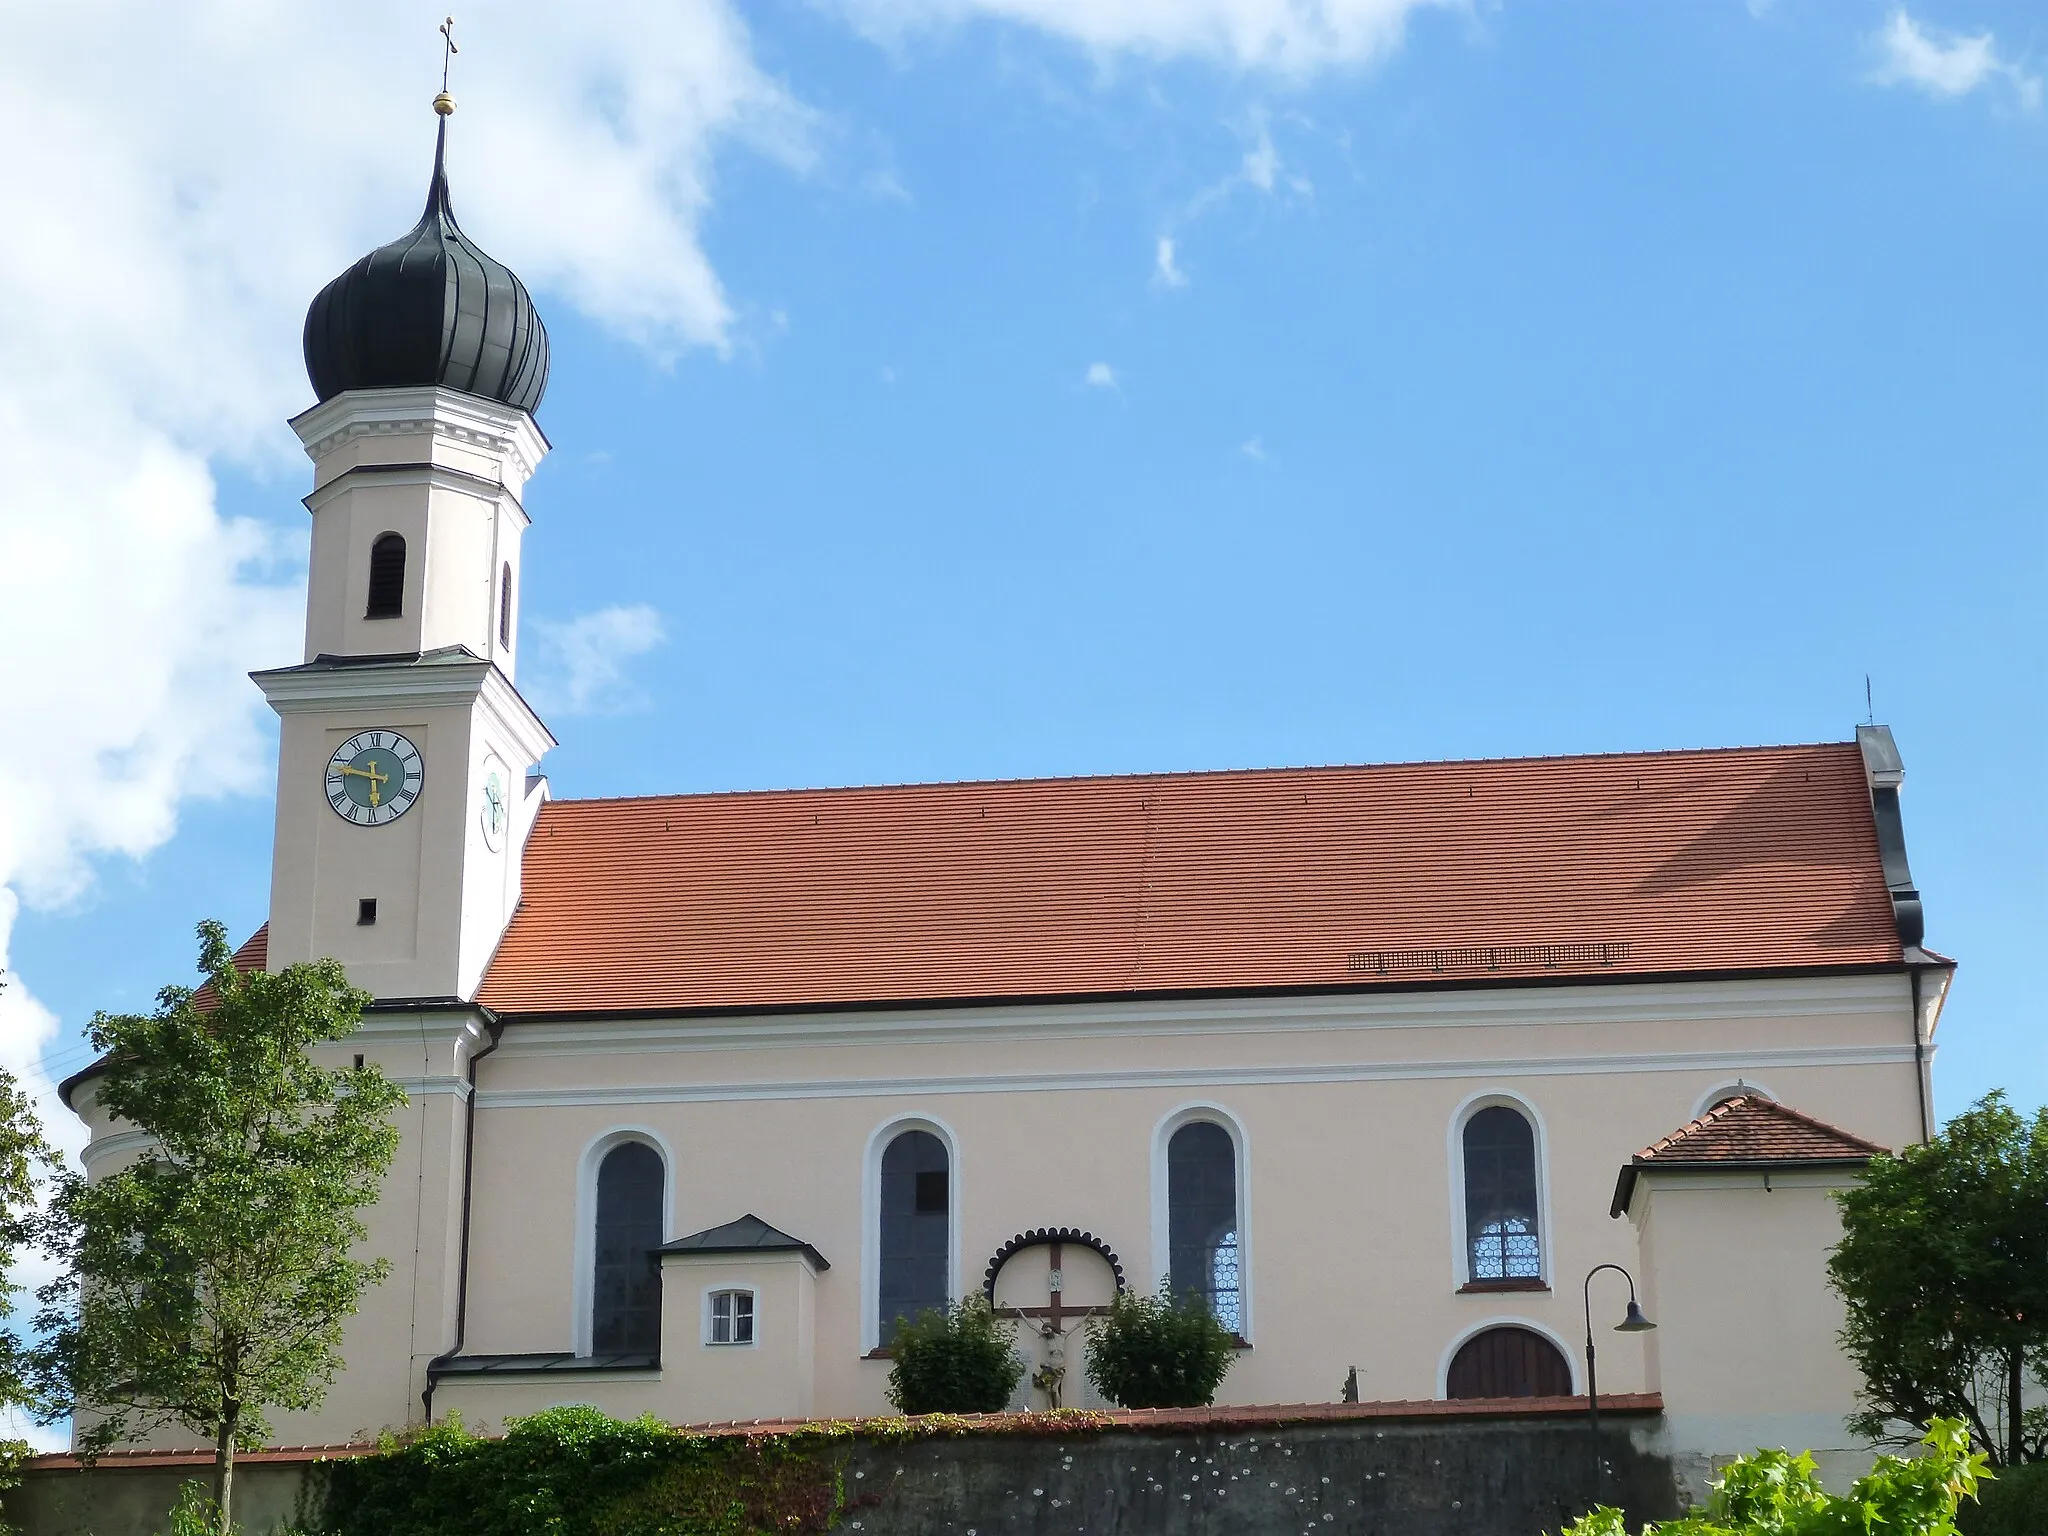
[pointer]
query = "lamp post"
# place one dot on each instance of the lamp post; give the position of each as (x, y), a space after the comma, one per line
(1632, 1321)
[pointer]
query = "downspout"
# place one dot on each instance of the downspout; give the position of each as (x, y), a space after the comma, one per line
(1920, 1058)
(462, 1252)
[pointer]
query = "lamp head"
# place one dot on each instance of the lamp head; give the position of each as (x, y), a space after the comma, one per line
(1635, 1322)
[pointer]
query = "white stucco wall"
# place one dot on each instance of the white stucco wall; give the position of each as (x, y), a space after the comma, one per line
(1345, 1108)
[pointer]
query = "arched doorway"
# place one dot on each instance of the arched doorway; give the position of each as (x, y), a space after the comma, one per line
(1508, 1362)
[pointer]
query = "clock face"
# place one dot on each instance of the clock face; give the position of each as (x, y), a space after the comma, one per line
(374, 777)
(493, 803)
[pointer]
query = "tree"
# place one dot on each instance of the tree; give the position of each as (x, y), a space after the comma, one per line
(1163, 1351)
(25, 1157)
(958, 1359)
(208, 1281)
(1944, 1267)
(1775, 1493)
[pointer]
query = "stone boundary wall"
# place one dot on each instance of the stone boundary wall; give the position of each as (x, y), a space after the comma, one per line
(1520, 1468)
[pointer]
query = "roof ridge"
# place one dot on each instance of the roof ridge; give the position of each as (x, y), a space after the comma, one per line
(1155, 775)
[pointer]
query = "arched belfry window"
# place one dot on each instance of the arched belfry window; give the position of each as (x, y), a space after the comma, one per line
(625, 1292)
(916, 1217)
(505, 605)
(1501, 1237)
(1203, 1226)
(1508, 1362)
(387, 578)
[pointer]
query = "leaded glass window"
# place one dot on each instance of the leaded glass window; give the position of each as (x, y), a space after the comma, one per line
(916, 1228)
(1202, 1220)
(625, 1315)
(1500, 1196)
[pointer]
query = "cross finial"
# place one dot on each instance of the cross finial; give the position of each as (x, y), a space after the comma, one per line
(444, 103)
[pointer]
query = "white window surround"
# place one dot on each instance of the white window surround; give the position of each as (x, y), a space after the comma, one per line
(1572, 1362)
(1707, 1100)
(585, 1246)
(1461, 1248)
(871, 1217)
(753, 1316)
(1162, 1242)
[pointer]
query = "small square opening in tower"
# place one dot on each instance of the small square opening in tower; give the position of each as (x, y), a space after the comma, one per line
(366, 912)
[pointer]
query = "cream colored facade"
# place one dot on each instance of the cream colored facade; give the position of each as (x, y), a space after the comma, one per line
(1345, 1110)
(1346, 1115)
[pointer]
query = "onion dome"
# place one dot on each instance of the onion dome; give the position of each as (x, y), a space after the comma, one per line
(429, 308)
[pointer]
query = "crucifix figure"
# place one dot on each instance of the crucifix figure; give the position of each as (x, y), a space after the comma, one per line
(1053, 1320)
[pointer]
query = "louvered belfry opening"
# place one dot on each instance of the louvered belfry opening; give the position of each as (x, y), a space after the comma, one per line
(1508, 1362)
(387, 578)
(505, 606)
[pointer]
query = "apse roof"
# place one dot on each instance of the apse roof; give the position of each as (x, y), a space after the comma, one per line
(1639, 865)
(1748, 1131)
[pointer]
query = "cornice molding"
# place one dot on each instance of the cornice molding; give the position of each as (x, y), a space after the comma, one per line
(1651, 1003)
(422, 685)
(469, 419)
(439, 477)
(1207, 1079)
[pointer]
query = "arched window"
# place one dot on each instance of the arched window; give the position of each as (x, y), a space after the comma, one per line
(916, 1218)
(1202, 1224)
(1501, 1239)
(387, 578)
(505, 605)
(1508, 1362)
(625, 1292)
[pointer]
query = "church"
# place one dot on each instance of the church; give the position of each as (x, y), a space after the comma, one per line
(1414, 1071)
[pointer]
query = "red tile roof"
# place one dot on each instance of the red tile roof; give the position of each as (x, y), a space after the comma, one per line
(1753, 1129)
(1736, 860)
(1748, 1131)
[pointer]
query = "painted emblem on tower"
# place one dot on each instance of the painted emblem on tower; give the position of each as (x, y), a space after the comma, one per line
(374, 777)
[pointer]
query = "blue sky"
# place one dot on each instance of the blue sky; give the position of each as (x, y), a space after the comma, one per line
(1077, 391)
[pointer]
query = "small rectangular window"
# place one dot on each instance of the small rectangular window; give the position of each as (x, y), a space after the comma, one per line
(931, 1192)
(366, 912)
(732, 1317)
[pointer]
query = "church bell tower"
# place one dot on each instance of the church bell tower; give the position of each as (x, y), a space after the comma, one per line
(405, 791)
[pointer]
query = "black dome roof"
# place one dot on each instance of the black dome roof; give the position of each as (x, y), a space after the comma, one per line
(429, 308)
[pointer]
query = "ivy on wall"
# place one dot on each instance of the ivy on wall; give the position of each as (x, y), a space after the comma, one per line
(578, 1472)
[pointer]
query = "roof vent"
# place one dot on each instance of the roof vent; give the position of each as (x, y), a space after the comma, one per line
(1490, 957)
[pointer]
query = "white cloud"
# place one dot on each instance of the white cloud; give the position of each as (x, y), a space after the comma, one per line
(1164, 267)
(580, 665)
(1293, 37)
(1253, 447)
(185, 178)
(1946, 64)
(1100, 376)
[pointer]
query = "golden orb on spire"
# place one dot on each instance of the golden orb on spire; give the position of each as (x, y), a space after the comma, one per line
(444, 104)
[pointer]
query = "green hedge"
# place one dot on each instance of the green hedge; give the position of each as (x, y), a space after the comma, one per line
(959, 1359)
(577, 1472)
(2015, 1504)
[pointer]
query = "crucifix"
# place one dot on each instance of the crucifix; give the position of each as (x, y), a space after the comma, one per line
(1050, 1318)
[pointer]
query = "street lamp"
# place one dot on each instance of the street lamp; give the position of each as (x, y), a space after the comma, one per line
(1632, 1321)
